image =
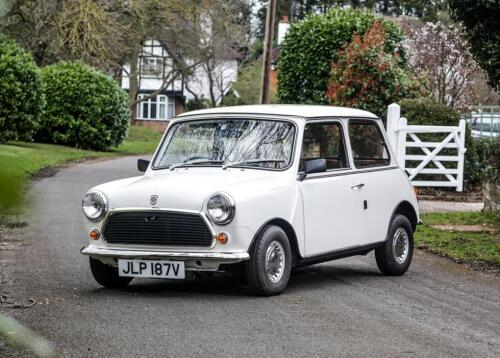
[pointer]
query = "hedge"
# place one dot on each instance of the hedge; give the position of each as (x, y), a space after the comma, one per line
(311, 45)
(21, 96)
(85, 108)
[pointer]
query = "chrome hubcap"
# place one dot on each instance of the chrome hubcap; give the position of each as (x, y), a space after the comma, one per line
(275, 261)
(400, 245)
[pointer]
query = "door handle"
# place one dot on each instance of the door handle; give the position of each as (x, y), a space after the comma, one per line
(357, 186)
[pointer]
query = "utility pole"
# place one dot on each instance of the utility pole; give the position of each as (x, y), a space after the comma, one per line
(268, 48)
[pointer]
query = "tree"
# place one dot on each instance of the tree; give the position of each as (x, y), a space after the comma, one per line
(365, 76)
(311, 45)
(246, 90)
(296, 10)
(106, 34)
(441, 53)
(481, 19)
(224, 38)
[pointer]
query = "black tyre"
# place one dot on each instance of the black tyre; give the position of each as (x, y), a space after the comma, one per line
(106, 275)
(394, 257)
(270, 264)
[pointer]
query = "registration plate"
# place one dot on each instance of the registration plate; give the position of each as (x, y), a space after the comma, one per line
(151, 269)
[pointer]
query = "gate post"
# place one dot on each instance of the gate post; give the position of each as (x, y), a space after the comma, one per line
(401, 146)
(461, 153)
(393, 113)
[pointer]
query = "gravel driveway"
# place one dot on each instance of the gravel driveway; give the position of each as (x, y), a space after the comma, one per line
(340, 308)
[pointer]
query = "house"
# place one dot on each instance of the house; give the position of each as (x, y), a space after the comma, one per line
(162, 93)
(283, 27)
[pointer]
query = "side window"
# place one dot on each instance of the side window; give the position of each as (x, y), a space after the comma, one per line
(324, 140)
(367, 144)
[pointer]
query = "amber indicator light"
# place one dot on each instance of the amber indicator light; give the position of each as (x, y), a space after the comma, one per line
(222, 238)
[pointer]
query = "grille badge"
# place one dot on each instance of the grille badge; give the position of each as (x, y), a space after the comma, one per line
(153, 200)
(149, 219)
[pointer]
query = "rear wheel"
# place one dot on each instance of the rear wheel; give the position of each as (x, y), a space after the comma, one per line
(106, 275)
(269, 267)
(394, 257)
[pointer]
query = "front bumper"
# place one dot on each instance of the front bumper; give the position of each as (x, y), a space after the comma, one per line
(223, 257)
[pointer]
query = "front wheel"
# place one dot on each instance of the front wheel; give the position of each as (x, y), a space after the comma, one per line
(270, 264)
(106, 275)
(394, 256)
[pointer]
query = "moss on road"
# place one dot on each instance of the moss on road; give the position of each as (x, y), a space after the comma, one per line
(477, 248)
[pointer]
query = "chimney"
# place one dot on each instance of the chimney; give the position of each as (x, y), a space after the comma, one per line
(283, 27)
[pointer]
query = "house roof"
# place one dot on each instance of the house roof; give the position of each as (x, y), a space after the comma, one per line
(296, 110)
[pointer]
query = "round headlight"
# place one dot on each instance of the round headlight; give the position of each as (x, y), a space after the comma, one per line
(220, 208)
(94, 206)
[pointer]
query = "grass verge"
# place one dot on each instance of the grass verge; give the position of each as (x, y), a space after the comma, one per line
(20, 161)
(478, 248)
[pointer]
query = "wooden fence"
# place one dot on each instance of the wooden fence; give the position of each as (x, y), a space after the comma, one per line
(402, 136)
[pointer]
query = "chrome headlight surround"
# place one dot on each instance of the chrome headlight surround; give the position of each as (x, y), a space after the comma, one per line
(94, 205)
(220, 208)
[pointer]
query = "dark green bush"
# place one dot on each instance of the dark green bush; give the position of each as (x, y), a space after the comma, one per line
(21, 96)
(482, 161)
(312, 44)
(426, 111)
(194, 104)
(85, 108)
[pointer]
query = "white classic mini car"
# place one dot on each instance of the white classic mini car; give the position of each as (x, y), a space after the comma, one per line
(258, 189)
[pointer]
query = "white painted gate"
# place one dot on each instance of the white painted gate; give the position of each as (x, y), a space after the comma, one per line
(402, 136)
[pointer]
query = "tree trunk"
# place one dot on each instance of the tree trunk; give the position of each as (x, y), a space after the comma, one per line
(491, 192)
(133, 87)
(213, 100)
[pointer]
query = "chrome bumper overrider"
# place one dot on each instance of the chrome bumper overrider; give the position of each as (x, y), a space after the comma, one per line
(96, 251)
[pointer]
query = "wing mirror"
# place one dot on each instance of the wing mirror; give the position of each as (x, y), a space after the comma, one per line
(313, 166)
(142, 165)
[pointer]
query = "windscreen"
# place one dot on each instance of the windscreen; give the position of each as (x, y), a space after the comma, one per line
(228, 141)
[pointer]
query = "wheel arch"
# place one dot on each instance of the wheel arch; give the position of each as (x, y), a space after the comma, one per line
(289, 231)
(405, 208)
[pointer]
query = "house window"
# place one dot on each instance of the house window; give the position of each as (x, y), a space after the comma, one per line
(152, 66)
(158, 107)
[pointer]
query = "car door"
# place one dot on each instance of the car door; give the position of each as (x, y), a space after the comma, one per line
(333, 208)
(377, 176)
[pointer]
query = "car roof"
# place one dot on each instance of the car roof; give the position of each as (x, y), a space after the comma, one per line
(296, 110)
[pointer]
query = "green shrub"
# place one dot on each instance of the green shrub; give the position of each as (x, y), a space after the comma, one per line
(194, 104)
(246, 90)
(232, 99)
(426, 111)
(366, 77)
(21, 96)
(85, 108)
(311, 45)
(482, 161)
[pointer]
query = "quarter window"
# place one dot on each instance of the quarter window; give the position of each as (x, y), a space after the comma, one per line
(324, 141)
(367, 144)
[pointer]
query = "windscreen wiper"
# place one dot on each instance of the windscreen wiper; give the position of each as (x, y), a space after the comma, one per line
(194, 162)
(252, 161)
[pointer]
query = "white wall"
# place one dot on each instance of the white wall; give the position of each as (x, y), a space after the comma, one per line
(282, 30)
(225, 74)
(148, 83)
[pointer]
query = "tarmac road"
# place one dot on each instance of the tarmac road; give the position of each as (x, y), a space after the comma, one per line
(340, 308)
